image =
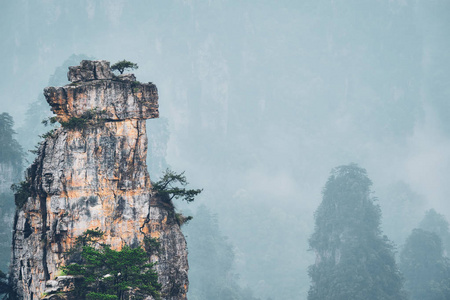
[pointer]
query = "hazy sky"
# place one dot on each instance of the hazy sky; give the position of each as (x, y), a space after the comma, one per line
(262, 99)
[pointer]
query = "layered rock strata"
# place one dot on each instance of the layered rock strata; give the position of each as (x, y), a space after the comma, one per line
(91, 173)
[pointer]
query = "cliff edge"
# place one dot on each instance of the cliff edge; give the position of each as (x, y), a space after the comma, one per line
(91, 173)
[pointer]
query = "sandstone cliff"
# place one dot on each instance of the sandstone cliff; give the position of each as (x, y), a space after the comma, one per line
(92, 173)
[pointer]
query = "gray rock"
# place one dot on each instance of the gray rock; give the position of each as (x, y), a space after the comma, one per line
(126, 77)
(95, 177)
(90, 70)
(116, 99)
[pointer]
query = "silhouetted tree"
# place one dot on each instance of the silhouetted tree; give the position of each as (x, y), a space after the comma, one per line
(172, 186)
(353, 260)
(437, 223)
(426, 270)
(10, 150)
(123, 65)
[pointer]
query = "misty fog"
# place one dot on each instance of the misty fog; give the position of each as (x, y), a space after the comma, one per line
(259, 100)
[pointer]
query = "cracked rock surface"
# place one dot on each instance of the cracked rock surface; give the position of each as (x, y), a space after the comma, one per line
(94, 177)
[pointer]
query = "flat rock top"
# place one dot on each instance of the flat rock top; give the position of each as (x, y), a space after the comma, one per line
(90, 70)
(95, 87)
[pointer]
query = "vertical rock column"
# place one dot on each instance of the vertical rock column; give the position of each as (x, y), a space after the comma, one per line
(91, 173)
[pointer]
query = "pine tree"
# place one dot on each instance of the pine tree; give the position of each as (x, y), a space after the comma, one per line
(353, 260)
(104, 273)
(10, 150)
(124, 65)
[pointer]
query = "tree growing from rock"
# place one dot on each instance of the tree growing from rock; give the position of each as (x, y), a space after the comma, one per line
(353, 260)
(110, 274)
(172, 186)
(124, 65)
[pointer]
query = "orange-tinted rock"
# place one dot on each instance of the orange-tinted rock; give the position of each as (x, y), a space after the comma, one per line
(95, 177)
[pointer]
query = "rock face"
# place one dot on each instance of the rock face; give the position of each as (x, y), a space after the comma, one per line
(90, 70)
(94, 175)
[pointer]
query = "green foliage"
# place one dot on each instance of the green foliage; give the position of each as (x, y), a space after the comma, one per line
(100, 296)
(49, 133)
(22, 191)
(75, 123)
(10, 150)
(90, 117)
(167, 187)
(50, 120)
(89, 237)
(426, 270)
(109, 274)
(181, 219)
(36, 148)
(123, 65)
(135, 85)
(353, 260)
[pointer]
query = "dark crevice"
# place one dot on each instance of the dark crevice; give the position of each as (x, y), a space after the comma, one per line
(120, 208)
(43, 207)
(136, 149)
(147, 219)
(95, 73)
(16, 218)
(27, 231)
(112, 120)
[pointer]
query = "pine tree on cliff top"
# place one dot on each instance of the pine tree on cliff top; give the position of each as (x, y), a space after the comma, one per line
(353, 260)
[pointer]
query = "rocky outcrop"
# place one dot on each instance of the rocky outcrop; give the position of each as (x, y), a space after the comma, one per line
(90, 70)
(90, 174)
